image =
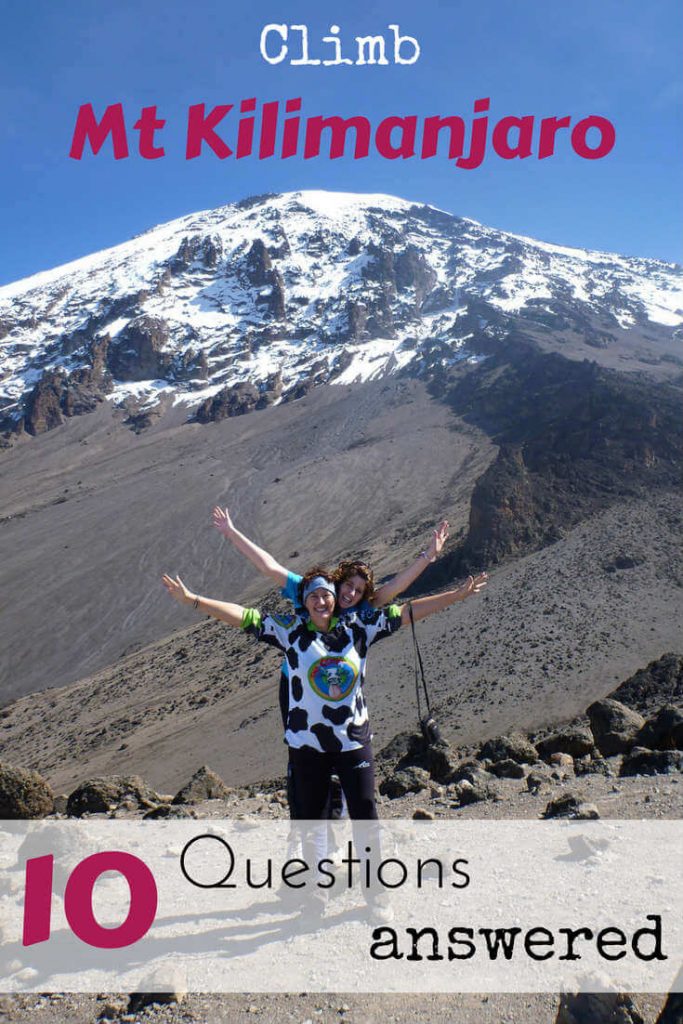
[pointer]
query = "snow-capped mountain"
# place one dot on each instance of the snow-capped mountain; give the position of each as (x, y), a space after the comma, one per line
(252, 303)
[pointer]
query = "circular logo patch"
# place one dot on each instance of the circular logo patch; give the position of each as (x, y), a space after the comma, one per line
(332, 678)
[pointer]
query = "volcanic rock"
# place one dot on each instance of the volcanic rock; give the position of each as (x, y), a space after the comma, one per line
(405, 780)
(137, 352)
(575, 740)
(204, 785)
(652, 762)
(592, 766)
(597, 1008)
(568, 805)
(614, 726)
(507, 769)
(24, 793)
(659, 683)
(106, 793)
(664, 731)
(502, 516)
(234, 401)
(515, 747)
(440, 761)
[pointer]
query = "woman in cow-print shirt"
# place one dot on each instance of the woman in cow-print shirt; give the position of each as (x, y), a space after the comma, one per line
(327, 729)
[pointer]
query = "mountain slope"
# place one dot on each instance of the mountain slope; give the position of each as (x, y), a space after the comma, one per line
(230, 310)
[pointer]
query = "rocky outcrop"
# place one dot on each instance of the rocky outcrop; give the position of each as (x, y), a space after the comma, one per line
(513, 747)
(24, 794)
(576, 740)
(598, 1008)
(137, 353)
(658, 683)
(573, 438)
(258, 264)
(276, 300)
(169, 811)
(260, 274)
(503, 516)
(43, 408)
(105, 793)
(641, 761)
(569, 805)
(664, 731)
(406, 780)
(440, 761)
(356, 317)
(233, 401)
(507, 769)
(203, 250)
(204, 785)
(59, 394)
(412, 271)
(614, 726)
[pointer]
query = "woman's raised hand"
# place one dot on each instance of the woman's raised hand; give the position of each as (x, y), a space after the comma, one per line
(476, 583)
(439, 538)
(222, 521)
(177, 590)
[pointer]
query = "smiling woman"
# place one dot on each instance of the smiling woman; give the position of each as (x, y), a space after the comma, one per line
(327, 728)
(355, 579)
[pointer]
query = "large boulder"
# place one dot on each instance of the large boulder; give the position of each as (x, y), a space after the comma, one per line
(472, 783)
(652, 762)
(507, 769)
(105, 793)
(466, 792)
(592, 766)
(404, 746)
(472, 771)
(513, 747)
(569, 805)
(169, 811)
(614, 726)
(576, 740)
(406, 780)
(664, 731)
(441, 761)
(204, 785)
(24, 793)
(597, 1008)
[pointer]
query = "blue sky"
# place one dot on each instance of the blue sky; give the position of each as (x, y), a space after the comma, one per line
(617, 59)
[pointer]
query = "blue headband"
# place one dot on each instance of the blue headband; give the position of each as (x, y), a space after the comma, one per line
(318, 583)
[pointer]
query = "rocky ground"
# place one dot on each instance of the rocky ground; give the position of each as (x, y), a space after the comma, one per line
(584, 769)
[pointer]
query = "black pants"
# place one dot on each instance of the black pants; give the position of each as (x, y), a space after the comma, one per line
(309, 777)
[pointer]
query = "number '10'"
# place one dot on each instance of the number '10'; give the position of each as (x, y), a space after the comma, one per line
(78, 900)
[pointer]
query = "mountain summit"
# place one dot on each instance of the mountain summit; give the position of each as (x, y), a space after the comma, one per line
(233, 309)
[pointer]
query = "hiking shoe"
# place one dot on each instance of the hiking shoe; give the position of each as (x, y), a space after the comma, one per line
(379, 909)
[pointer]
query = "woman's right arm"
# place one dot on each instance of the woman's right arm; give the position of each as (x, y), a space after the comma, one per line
(260, 559)
(223, 610)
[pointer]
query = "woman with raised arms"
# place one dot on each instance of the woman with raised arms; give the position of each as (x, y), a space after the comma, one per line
(327, 729)
(355, 579)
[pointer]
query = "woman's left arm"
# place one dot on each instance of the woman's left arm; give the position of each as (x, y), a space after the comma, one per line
(424, 606)
(222, 610)
(389, 590)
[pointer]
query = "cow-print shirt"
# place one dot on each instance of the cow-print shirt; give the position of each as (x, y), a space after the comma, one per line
(325, 673)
